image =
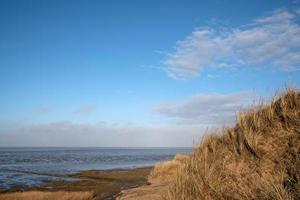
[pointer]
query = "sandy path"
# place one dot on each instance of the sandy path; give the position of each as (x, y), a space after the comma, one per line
(153, 191)
(160, 178)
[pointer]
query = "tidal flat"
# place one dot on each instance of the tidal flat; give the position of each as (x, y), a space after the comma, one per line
(89, 184)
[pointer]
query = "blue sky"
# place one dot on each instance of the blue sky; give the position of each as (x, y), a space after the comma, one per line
(138, 73)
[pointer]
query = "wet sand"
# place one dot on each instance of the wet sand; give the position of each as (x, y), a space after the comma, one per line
(93, 184)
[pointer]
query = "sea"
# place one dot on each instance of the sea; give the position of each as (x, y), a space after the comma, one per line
(34, 167)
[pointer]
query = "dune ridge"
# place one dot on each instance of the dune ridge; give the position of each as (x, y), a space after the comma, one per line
(258, 158)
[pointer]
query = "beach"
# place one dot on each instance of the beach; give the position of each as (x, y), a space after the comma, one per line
(77, 173)
(94, 184)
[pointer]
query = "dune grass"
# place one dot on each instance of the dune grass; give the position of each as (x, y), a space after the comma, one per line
(258, 158)
(166, 170)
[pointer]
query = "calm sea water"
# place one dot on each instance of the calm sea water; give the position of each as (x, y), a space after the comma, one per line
(33, 166)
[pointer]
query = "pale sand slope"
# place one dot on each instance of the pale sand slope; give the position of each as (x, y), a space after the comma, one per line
(40, 195)
(146, 192)
(160, 178)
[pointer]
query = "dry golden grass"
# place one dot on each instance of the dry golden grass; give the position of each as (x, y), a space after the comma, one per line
(167, 169)
(42, 195)
(258, 158)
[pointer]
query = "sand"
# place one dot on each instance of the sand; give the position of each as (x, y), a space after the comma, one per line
(96, 185)
(153, 191)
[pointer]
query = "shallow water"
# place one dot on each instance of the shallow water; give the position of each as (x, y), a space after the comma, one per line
(33, 166)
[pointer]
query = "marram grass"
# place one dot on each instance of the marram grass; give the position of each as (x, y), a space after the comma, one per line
(258, 158)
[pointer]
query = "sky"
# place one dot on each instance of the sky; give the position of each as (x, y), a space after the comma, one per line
(139, 73)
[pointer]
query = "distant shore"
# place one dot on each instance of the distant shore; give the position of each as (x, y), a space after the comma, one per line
(90, 184)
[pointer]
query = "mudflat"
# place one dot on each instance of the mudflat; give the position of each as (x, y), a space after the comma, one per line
(92, 184)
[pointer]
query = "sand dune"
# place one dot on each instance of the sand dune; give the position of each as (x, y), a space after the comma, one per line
(258, 158)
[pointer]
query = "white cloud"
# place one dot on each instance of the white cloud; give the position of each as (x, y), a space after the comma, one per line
(66, 133)
(191, 118)
(270, 41)
(206, 109)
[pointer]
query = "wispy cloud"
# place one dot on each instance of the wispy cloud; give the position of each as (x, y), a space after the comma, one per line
(84, 109)
(269, 41)
(206, 109)
(67, 133)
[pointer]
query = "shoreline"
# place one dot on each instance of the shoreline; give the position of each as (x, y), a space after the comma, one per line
(101, 184)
